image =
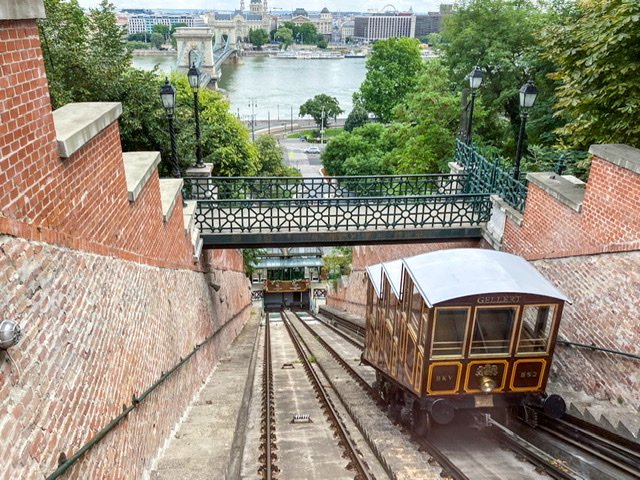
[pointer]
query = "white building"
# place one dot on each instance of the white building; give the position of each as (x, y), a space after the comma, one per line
(386, 25)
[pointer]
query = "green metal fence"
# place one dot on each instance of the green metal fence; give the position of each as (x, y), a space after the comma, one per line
(485, 176)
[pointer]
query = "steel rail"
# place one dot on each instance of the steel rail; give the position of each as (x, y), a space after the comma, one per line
(65, 463)
(342, 334)
(267, 398)
(350, 370)
(345, 439)
(606, 446)
(532, 453)
(358, 330)
(447, 465)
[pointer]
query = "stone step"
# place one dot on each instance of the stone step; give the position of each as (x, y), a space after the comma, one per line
(189, 215)
(170, 189)
(621, 420)
(138, 168)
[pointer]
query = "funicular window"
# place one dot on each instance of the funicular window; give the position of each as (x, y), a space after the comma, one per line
(410, 359)
(537, 323)
(493, 330)
(449, 332)
(416, 310)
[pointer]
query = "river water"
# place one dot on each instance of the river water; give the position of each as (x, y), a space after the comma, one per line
(275, 86)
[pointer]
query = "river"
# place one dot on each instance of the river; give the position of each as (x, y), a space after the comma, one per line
(276, 85)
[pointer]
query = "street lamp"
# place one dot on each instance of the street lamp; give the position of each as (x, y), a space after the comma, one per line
(253, 104)
(528, 95)
(194, 81)
(475, 80)
(322, 128)
(168, 96)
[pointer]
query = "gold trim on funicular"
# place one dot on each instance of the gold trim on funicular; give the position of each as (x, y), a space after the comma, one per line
(433, 328)
(540, 378)
(513, 331)
(553, 324)
(443, 364)
(417, 378)
(488, 360)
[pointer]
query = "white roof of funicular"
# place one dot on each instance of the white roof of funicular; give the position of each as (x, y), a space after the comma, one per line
(393, 271)
(448, 274)
(455, 273)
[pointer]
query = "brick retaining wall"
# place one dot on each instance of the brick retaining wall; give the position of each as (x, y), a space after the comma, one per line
(98, 330)
(606, 311)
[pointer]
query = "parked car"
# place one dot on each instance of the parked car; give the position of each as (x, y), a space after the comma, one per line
(312, 150)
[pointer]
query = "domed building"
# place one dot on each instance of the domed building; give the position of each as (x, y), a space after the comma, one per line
(323, 21)
(236, 25)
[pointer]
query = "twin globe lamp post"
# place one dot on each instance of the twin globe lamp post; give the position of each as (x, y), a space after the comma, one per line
(475, 80)
(528, 94)
(168, 96)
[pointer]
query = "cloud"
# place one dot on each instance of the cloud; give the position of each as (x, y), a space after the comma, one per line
(309, 5)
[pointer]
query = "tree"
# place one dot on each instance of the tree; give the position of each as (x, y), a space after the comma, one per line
(270, 158)
(285, 36)
(258, 37)
(392, 70)
(251, 257)
(361, 152)
(596, 49)
(321, 107)
(308, 33)
(424, 139)
(157, 39)
(358, 115)
(87, 60)
(498, 36)
(83, 54)
(322, 42)
(338, 261)
(162, 29)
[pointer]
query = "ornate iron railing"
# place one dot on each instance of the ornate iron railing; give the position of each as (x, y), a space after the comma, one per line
(489, 177)
(342, 214)
(245, 188)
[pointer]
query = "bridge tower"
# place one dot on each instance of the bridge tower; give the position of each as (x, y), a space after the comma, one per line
(194, 45)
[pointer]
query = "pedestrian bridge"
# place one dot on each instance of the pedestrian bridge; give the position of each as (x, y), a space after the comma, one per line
(244, 212)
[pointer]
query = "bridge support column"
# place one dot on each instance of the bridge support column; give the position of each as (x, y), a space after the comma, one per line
(195, 46)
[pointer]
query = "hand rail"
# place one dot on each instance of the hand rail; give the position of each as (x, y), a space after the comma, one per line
(65, 463)
(594, 347)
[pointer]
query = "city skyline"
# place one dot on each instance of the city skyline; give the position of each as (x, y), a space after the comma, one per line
(275, 5)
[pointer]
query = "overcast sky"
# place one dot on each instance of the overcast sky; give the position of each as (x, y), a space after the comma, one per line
(310, 5)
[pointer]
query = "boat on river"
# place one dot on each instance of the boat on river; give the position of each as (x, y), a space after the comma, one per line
(308, 55)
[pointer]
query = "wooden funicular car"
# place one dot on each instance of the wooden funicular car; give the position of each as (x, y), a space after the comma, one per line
(461, 329)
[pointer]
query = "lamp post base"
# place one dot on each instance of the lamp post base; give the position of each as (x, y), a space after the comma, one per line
(196, 171)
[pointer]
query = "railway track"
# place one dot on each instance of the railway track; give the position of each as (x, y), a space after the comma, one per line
(620, 456)
(618, 452)
(268, 466)
(350, 450)
(299, 418)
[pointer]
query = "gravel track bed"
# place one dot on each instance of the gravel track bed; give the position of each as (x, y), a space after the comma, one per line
(396, 448)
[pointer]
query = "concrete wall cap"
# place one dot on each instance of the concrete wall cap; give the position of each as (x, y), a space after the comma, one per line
(622, 155)
(77, 123)
(21, 9)
(563, 190)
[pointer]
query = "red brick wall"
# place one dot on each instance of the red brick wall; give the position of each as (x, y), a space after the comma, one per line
(609, 220)
(80, 202)
(605, 311)
(98, 330)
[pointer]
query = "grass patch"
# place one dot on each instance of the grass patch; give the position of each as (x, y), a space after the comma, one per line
(328, 133)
